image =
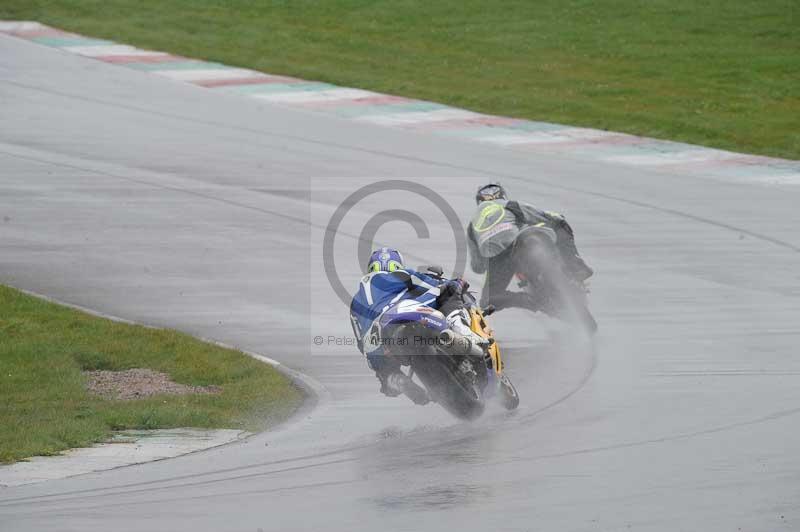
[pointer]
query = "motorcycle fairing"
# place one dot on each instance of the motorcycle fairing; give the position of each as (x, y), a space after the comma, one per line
(412, 311)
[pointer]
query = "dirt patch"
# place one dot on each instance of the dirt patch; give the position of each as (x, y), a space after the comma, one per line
(138, 383)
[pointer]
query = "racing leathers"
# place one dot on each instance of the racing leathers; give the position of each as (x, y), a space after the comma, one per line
(377, 292)
(491, 235)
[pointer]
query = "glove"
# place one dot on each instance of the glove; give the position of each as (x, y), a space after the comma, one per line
(453, 287)
(448, 289)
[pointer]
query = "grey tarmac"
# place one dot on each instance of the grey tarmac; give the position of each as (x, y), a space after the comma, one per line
(176, 206)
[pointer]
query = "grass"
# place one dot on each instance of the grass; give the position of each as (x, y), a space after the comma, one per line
(722, 73)
(44, 406)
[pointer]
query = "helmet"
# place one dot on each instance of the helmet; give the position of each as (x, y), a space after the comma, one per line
(385, 260)
(491, 191)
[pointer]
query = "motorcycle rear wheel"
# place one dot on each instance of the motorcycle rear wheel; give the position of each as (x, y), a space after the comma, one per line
(448, 387)
(538, 260)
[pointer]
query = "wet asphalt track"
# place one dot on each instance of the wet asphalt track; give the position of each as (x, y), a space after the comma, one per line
(175, 206)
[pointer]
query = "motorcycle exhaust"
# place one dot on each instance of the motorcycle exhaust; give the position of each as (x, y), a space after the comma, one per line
(447, 337)
(456, 344)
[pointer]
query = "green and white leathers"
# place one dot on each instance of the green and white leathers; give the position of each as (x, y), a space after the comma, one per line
(494, 228)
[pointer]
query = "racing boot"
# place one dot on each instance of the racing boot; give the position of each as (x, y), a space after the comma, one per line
(509, 299)
(508, 393)
(574, 265)
(400, 382)
(577, 268)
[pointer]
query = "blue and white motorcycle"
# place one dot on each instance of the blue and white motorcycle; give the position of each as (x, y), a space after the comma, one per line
(457, 361)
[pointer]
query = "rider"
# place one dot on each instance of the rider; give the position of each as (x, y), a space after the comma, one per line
(386, 283)
(490, 247)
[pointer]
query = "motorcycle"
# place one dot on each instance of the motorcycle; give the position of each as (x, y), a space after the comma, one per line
(461, 372)
(539, 269)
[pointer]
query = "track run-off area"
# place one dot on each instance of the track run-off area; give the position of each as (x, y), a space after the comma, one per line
(174, 205)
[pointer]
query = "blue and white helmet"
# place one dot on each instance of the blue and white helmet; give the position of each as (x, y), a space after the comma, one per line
(385, 260)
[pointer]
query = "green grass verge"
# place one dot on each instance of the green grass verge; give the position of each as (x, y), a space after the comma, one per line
(722, 73)
(44, 406)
